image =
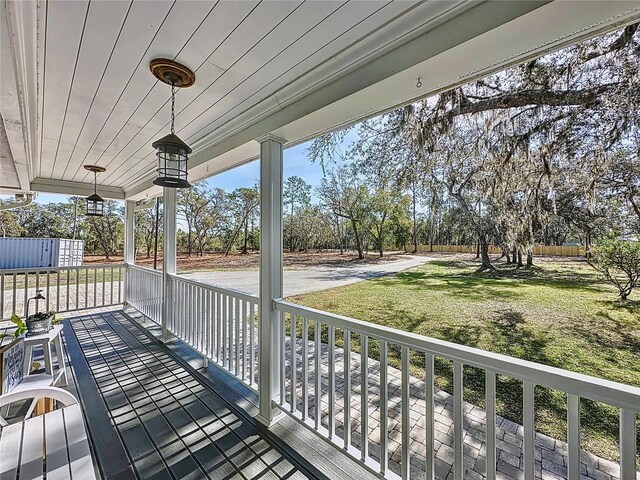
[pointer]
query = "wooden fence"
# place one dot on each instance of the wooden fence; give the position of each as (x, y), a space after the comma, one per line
(540, 250)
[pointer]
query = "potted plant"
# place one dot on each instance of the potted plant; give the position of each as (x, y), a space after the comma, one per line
(40, 322)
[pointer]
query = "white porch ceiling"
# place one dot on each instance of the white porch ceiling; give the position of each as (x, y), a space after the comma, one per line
(76, 88)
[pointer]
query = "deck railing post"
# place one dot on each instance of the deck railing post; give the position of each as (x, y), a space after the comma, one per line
(168, 254)
(129, 242)
(270, 343)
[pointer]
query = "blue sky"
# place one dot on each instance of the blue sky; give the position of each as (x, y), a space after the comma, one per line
(295, 163)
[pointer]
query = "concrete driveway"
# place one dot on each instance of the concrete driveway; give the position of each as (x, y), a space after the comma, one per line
(312, 279)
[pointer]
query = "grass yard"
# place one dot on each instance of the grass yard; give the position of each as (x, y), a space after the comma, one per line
(558, 313)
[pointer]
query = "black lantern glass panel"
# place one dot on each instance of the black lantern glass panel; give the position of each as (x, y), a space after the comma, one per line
(172, 154)
(95, 205)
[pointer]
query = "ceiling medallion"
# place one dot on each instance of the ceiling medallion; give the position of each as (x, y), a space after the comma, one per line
(172, 73)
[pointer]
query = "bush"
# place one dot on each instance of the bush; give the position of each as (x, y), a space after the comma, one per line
(619, 262)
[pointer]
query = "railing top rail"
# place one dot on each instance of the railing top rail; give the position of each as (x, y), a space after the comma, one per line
(58, 269)
(226, 291)
(585, 386)
(144, 269)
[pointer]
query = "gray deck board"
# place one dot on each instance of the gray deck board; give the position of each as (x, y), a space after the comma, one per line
(148, 416)
(304, 446)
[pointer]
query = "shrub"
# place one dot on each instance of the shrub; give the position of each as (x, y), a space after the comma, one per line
(619, 262)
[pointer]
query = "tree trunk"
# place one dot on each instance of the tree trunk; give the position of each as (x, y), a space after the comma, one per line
(484, 254)
(415, 225)
(431, 219)
(529, 258)
(478, 249)
(246, 228)
(520, 264)
(587, 244)
(75, 217)
(253, 236)
(358, 241)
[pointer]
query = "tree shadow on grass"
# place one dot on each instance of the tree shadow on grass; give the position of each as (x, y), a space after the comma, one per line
(616, 335)
(459, 264)
(461, 282)
(630, 306)
(459, 285)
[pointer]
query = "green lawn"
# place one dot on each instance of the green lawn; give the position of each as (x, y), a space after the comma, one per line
(557, 313)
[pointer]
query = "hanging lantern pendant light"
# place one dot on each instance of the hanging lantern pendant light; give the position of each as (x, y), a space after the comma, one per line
(95, 203)
(171, 152)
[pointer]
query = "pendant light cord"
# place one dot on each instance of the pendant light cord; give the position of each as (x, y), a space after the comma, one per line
(95, 182)
(173, 106)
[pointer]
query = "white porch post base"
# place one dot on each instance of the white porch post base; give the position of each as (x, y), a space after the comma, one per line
(270, 422)
(269, 340)
(169, 248)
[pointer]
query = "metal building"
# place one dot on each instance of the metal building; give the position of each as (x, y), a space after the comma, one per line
(19, 252)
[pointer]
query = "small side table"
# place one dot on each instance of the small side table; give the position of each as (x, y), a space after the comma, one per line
(53, 336)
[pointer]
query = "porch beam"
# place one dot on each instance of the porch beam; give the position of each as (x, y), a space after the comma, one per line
(51, 185)
(169, 248)
(270, 343)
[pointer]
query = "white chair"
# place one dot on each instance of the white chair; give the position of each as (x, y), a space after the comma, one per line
(31, 387)
(59, 437)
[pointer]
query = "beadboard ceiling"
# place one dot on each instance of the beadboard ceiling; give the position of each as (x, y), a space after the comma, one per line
(82, 92)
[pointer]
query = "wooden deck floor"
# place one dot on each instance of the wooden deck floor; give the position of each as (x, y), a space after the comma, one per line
(149, 417)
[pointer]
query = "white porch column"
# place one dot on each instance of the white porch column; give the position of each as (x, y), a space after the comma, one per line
(129, 242)
(129, 232)
(168, 254)
(270, 274)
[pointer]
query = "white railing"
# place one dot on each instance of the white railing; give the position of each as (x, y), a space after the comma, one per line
(144, 291)
(400, 410)
(65, 288)
(219, 323)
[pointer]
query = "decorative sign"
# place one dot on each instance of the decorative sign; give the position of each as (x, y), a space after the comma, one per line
(12, 364)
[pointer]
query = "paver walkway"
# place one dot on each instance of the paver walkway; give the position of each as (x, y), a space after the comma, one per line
(171, 424)
(311, 279)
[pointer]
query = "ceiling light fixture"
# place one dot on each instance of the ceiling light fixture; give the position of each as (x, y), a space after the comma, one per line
(95, 203)
(171, 152)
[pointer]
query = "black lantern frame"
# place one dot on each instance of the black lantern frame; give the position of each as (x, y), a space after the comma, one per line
(172, 154)
(95, 203)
